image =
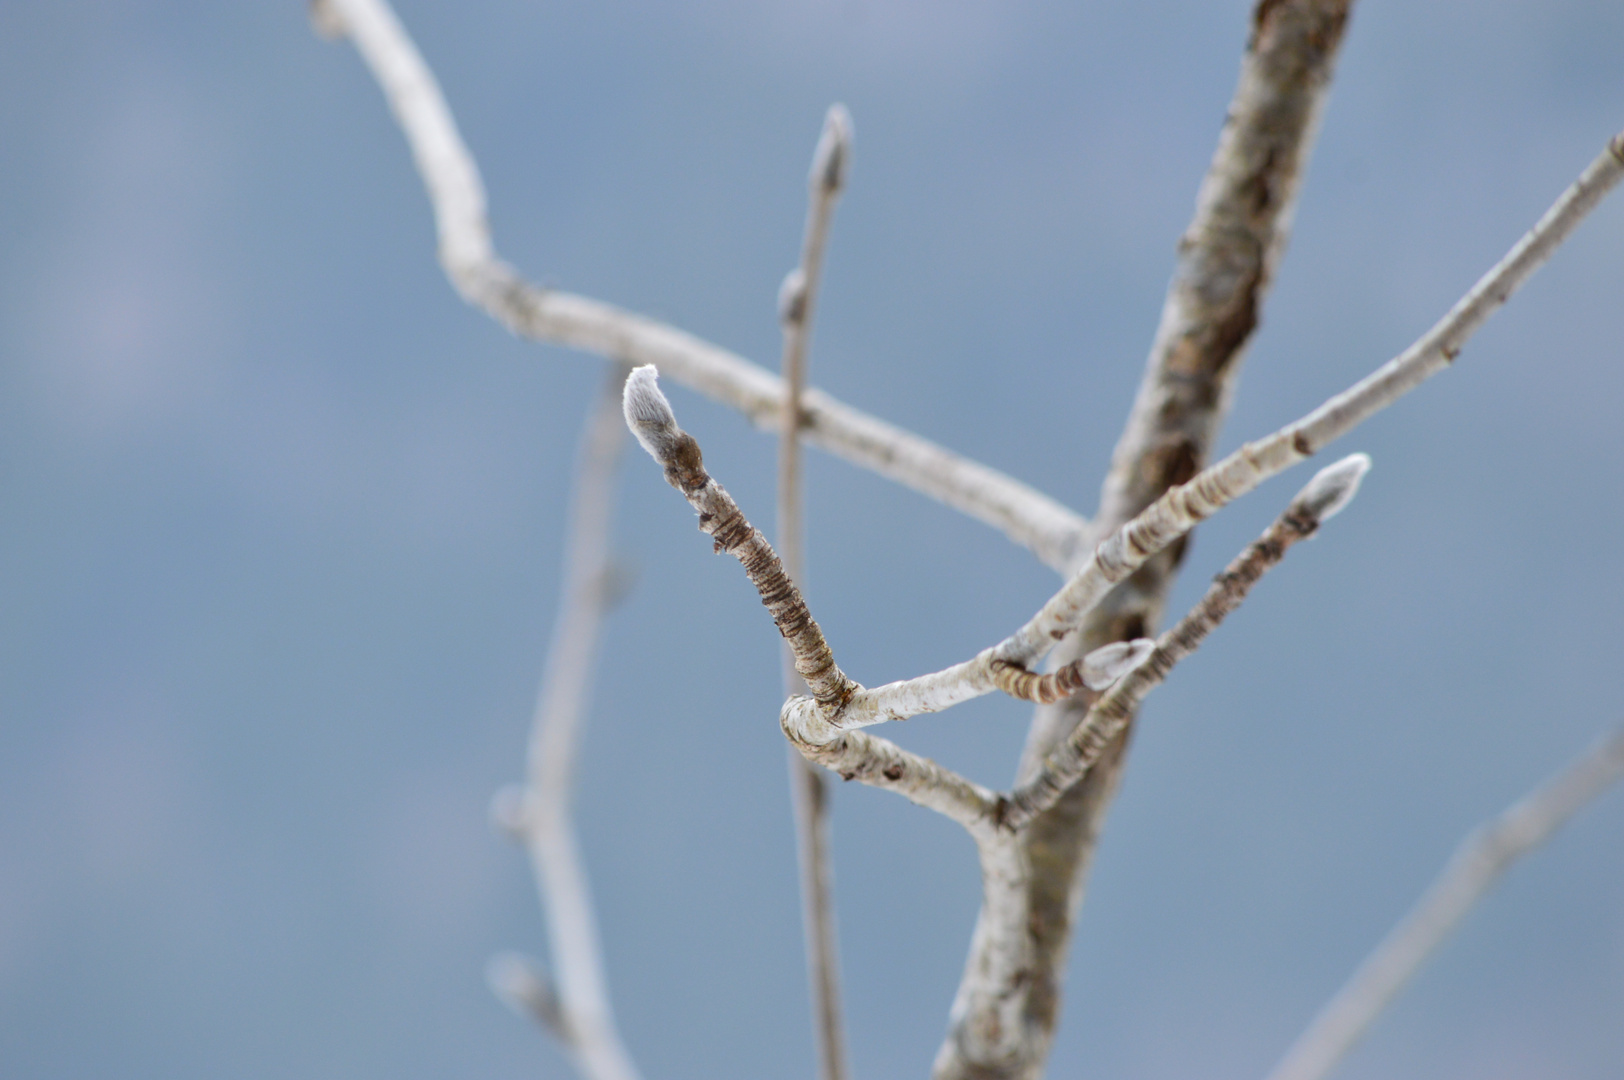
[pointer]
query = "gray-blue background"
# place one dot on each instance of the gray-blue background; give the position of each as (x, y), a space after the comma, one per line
(281, 521)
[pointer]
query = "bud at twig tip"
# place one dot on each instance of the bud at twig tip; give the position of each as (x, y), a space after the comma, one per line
(1108, 663)
(833, 155)
(648, 413)
(1333, 487)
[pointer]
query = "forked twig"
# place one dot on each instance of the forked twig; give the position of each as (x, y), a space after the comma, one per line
(854, 755)
(1480, 860)
(1173, 515)
(1030, 518)
(538, 814)
(1330, 490)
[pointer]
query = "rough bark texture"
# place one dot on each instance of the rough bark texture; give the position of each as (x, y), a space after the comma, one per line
(1226, 261)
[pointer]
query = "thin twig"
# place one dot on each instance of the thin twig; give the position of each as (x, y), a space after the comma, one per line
(1030, 518)
(797, 301)
(1486, 853)
(805, 720)
(1170, 517)
(578, 1012)
(1330, 490)
(649, 416)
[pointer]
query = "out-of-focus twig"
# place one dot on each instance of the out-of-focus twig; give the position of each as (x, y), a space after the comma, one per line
(1030, 518)
(1486, 853)
(809, 791)
(538, 814)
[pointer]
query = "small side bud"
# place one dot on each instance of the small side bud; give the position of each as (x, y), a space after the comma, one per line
(521, 985)
(510, 813)
(325, 19)
(833, 155)
(616, 582)
(792, 299)
(1107, 664)
(1333, 487)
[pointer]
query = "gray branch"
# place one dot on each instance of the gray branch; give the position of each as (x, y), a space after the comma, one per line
(1331, 489)
(1227, 258)
(538, 814)
(1486, 854)
(1025, 515)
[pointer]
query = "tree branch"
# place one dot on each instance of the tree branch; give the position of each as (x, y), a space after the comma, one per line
(539, 814)
(1174, 514)
(1226, 262)
(1030, 518)
(1486, 853)
(856, 756)
(797, 300)
(877, 762)
(1331, 489)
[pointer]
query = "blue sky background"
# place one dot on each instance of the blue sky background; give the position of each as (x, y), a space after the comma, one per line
(280, 519)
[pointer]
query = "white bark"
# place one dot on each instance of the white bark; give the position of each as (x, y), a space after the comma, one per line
(539, 814)
(1487, 853)
(1173, 515)
(1033, 843)
(457, 194)
(1331, 489)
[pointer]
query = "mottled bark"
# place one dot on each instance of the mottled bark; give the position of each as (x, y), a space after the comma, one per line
(1227, 259)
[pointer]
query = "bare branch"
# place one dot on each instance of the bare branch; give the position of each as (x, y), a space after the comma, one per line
(880, 763)
(539, 814)
(805, 721)
(1486, 853)
(797, 302)
(1330, 490)
(649, 416)
(1174, 514)
(1030, 518)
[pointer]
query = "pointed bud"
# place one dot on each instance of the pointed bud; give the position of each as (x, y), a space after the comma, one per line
(1107, 664)
(792, 299)
(1333, 487)
(510, 812)
(649, 414)
(833, 155)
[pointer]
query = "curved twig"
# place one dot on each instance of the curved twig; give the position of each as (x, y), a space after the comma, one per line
(1030, 518)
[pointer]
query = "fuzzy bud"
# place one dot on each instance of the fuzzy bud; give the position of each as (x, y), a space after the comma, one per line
(1333, 487)
(1107, 664)
(833, 155)
(792, 299)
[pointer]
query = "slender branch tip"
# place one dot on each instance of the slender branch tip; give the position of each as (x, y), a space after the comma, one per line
(833, 155)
